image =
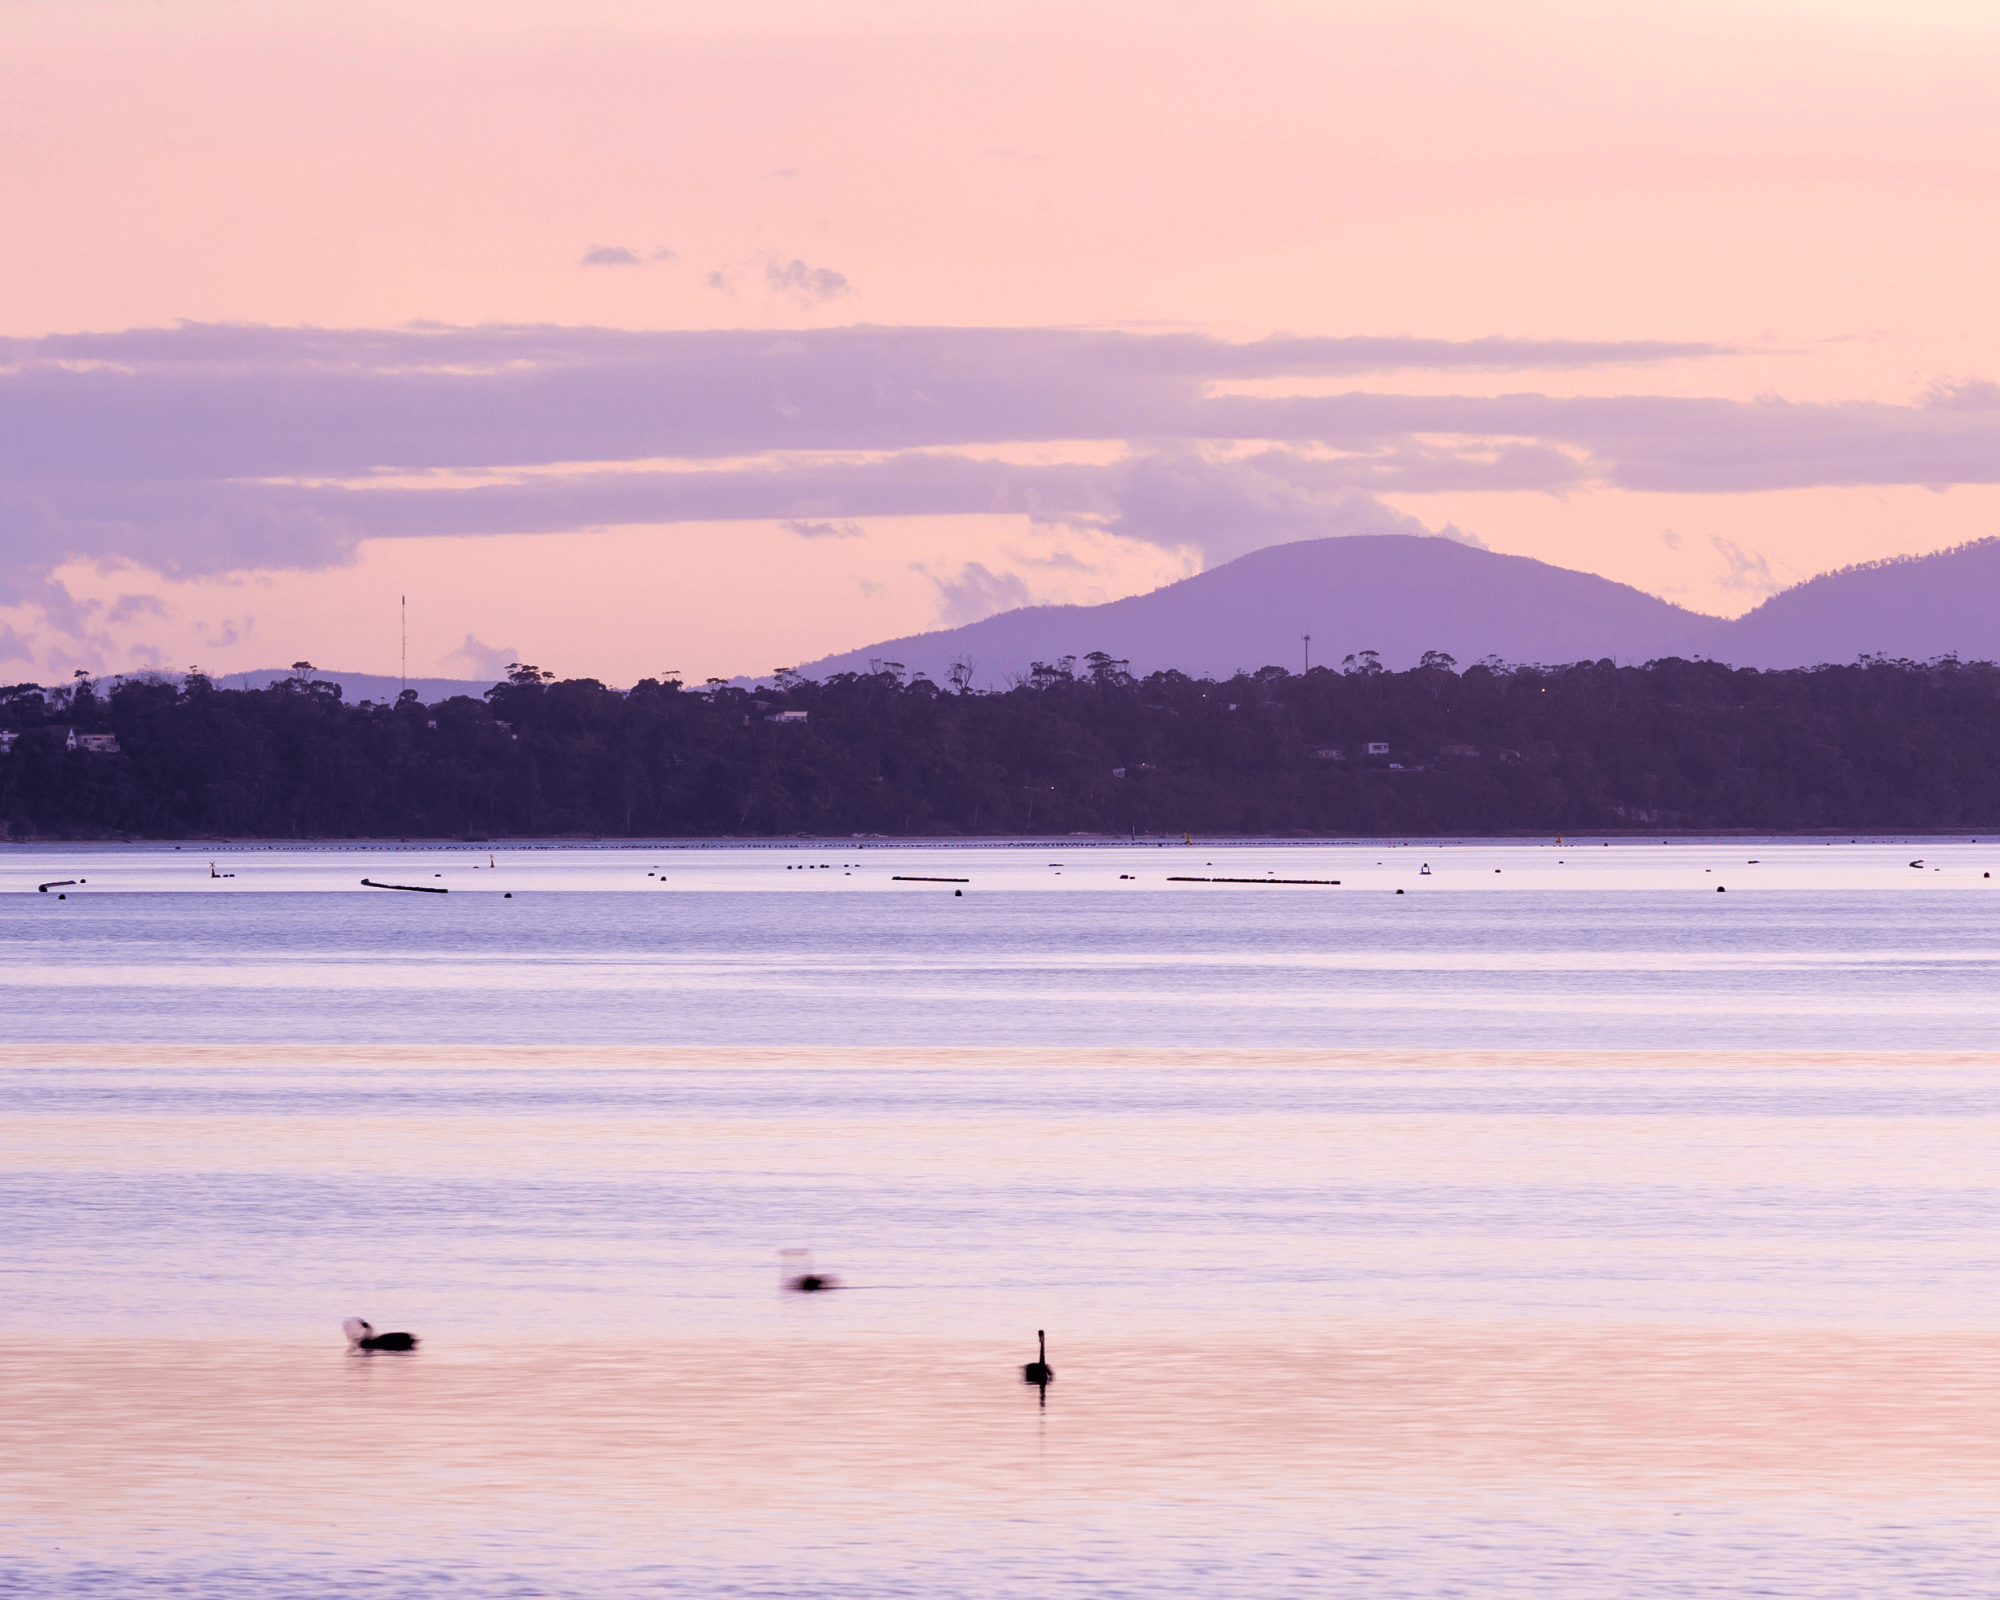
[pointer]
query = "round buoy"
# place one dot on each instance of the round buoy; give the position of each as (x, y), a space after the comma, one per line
(958, 894)
(508, 896)
(1720, 890)
(1399, 891)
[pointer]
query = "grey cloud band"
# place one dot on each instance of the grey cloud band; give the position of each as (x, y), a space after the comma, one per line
(157, 445)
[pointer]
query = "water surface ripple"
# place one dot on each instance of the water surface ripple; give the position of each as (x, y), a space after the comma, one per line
(1557, 1227)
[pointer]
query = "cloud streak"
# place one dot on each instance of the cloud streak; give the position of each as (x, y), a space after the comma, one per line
(824, 530)
(208, 448)
(976, 593)
(809, 286)
(484, 660)
(215, 400)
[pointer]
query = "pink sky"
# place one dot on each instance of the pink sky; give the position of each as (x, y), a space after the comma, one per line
(1798, 196)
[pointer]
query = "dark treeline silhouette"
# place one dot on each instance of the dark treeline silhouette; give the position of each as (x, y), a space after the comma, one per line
(1674, 745)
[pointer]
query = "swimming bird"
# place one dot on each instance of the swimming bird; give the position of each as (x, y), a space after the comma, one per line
(362, 1336)
(805, 1281)
(1039, 1371)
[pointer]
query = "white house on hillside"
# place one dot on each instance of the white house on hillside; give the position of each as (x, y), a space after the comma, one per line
(105, 744)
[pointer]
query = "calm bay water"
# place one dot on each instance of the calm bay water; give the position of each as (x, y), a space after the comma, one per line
(1558, 1226)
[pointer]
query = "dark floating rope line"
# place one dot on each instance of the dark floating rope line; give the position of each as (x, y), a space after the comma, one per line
(1334, 882)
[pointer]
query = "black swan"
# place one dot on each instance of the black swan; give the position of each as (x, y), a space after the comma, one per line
(362, 1336)
(1039, 1371)
(807, 1280)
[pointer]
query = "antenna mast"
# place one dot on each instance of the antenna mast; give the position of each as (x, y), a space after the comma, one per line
(406, 641)
(1309, 650)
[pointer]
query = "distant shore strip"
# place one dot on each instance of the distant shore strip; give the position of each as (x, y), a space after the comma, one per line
(901, 878)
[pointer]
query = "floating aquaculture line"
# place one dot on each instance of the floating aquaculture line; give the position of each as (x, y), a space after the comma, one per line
(1334, 882)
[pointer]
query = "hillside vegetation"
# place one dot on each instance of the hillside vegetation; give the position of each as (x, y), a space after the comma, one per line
(1676, 745)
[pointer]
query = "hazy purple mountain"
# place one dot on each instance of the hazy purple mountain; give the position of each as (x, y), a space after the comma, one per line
(1396, 594)
(1401, 595)
(1915, 607)
(358, 686)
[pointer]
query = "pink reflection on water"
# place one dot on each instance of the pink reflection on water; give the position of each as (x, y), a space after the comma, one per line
(174, 1446)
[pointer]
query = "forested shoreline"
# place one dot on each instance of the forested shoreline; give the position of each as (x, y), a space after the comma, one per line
(1071, 747)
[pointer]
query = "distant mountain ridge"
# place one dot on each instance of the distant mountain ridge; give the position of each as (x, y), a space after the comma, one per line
(1402, 594)
(1397, 594)
(1905, 607)
(358, 686)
